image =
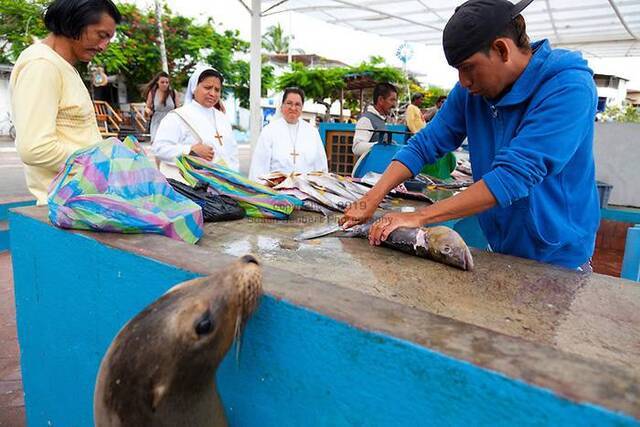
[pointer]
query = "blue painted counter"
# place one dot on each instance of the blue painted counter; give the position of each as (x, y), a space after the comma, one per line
(7, 203)
(313, 354)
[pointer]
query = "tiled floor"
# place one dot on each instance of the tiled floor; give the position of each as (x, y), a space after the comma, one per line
(11, 398)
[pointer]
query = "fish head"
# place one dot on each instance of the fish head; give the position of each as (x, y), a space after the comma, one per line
(447, 246)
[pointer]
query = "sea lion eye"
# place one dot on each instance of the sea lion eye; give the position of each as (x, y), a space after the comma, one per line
(204, 325)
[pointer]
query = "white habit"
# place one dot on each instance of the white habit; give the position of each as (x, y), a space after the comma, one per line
(191, 124)
(280, 143)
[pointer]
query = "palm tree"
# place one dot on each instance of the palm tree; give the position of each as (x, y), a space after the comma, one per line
(275, 41)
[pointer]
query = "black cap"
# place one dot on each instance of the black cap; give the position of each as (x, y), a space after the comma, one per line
(476, 23)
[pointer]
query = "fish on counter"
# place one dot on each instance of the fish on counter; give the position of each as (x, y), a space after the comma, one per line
(319, 191)
(438, 243)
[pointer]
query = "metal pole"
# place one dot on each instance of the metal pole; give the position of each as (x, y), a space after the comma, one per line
(289, 47)
(255, 75)
(163, 49)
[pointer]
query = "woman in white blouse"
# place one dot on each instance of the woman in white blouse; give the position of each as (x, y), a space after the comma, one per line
(198, 128)
(288, 144)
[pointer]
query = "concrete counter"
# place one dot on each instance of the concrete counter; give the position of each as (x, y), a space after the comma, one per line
(344, 329)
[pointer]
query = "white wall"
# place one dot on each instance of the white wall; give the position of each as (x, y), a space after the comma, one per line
(617, 154)
(4, 95)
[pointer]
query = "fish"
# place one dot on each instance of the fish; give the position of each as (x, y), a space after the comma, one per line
(438, 243)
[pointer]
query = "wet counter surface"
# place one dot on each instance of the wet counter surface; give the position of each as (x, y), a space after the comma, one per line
(590, 315)
(574, 333)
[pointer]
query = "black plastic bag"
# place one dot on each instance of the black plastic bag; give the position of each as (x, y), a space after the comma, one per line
(215, 207)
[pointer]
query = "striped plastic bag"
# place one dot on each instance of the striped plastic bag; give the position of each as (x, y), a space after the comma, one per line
(111, 187)
(258, 201)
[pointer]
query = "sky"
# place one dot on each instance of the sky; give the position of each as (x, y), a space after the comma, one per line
(352, 47)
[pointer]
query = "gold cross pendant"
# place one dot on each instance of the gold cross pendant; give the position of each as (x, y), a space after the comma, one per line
(218, 137)
(294, 155)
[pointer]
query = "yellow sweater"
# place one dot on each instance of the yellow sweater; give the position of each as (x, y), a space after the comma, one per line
(414, 118)
(52, 112)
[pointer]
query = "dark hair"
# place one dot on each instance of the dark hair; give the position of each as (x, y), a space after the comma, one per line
(383, 90)
(69, 18)
(290, 90)
(441, 98)
(416, 96)
(515, 30)
(152, 86)
(210, 72)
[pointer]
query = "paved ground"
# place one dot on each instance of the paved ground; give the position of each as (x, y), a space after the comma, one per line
(11, 400)
(12, 181)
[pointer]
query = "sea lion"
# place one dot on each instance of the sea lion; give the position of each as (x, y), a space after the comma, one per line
(160, 369)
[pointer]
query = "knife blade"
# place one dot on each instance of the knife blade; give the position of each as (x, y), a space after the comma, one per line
(316, 232)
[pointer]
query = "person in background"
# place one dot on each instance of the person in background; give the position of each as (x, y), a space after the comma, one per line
(413, 115)
(289, 144)
(441, 168)
(197, 128)
(52, 109)
(160, 100)
(527, 111)
(385, 96)
(431, 111)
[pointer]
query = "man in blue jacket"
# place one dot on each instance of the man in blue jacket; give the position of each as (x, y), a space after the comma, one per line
(528, 113)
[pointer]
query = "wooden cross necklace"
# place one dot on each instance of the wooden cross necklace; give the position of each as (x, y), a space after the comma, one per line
(215, 124)
(294, 154)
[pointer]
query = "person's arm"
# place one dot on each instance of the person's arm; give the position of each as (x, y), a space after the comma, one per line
(444, 134)
(35, 98)
(148, 106)
(261, 156)
(362, 136)
(362, 210)
(475, 199)
(167, 145)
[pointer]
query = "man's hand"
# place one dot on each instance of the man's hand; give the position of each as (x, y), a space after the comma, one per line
(359, 212)
(381, 229)
(203, 150)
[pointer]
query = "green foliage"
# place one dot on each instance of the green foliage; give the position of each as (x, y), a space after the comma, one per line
(625, 114)
(134, 51)
(274, 40)
(324, 85)
(431, 93)
(20, 22)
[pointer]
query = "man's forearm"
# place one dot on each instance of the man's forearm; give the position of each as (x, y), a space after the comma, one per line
(396, 174)
(473, 200)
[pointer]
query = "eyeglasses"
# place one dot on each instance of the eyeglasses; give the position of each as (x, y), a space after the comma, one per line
(290, 104)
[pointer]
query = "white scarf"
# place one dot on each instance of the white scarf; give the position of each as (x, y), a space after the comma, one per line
(193, 82)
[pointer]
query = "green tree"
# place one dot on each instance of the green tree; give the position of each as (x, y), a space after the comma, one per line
(20, 22)
(625, 114)
(134, 51)
(324, 85)
(274, 40)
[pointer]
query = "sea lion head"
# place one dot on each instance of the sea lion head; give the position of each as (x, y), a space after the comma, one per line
(164, 360)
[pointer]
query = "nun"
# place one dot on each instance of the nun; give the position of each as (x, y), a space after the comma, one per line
(288, 144)
(198, 128)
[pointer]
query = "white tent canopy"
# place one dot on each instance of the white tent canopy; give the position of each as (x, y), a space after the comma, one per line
(602, 28)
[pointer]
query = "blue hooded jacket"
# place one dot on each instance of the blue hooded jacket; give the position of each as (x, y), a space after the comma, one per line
(534, 150)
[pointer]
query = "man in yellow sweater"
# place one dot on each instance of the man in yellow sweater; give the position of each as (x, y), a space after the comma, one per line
(414, 119)
(52, 110)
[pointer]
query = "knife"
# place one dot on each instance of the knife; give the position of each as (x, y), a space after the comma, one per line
(316, 232)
